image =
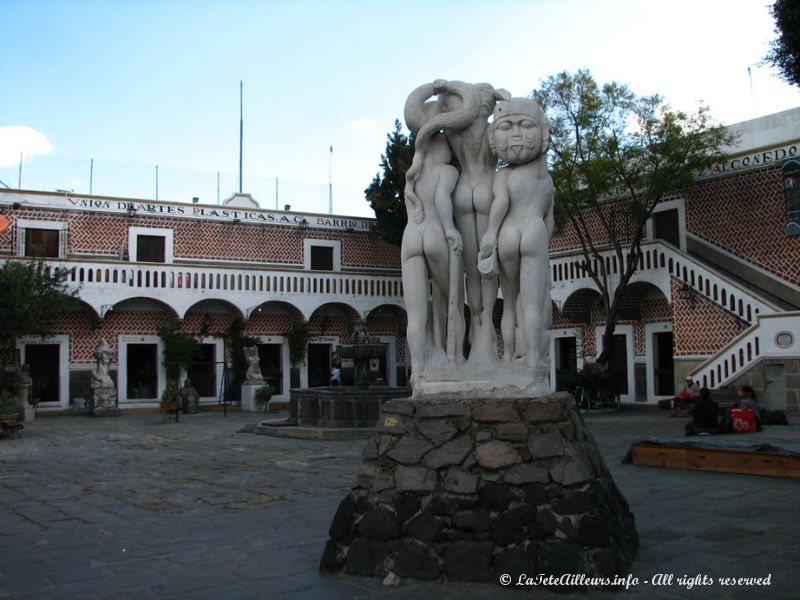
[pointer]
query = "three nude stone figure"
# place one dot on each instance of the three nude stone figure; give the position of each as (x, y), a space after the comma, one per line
(477, 222)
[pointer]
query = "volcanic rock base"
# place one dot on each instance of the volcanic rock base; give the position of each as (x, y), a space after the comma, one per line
(466, 489)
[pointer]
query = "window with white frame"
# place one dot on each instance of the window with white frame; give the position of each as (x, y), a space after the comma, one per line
(322, 255)
(150, 244)
(41, 239)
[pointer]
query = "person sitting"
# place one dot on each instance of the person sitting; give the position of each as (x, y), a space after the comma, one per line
(704, 416)
(687, 395)
(747, 399)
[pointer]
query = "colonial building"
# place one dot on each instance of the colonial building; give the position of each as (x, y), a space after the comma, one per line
(717, 293)
(216, 272)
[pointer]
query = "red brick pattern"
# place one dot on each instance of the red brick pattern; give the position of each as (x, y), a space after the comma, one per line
(384, 324)
(745, 214)
(83, 338)
(703, 328)
(106, 234)
(616, 217)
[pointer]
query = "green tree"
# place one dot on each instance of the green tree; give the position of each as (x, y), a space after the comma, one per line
(32, 294)
(613, 157)
(180, 351)
(784, 52)
(385, 193)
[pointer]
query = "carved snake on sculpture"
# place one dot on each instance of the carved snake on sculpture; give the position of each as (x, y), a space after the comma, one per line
(456, 119)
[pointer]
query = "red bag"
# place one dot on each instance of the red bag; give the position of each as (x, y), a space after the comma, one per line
(744, 420)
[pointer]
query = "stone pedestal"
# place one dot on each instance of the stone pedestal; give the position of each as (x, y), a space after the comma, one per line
(249, 403)
(463, 489)
(104, 401)
(24, 407)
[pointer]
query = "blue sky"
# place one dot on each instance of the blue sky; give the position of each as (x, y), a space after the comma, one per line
(137, 83)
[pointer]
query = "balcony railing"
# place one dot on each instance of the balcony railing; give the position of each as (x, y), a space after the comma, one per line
(111, 281)
(659, 258)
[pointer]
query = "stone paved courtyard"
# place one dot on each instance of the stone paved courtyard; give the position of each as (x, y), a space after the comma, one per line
(132, 507)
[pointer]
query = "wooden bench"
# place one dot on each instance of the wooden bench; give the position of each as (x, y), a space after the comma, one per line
(721, 460)
(10, 426)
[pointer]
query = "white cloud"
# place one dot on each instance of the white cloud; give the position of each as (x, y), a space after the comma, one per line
(16, 139)
(363, 126)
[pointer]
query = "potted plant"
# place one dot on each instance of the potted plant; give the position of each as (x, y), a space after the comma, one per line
(264, 394)
(169, 399)
(9, 409)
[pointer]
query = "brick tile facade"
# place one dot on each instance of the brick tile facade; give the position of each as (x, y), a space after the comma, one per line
(745, 215)
(106, 234)
(703, 328)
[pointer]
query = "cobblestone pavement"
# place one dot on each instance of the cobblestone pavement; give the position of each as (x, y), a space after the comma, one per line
(132, 507)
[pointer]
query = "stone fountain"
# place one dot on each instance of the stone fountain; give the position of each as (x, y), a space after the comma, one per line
(343, 406)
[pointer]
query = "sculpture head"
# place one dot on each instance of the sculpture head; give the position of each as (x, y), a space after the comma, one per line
(520, 131)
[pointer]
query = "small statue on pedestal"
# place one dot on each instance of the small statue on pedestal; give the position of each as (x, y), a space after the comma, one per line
(190, 398)
(104, 392)
(253, 374)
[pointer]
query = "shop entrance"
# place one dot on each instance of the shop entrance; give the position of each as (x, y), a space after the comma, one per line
(142, 369)
(566, 358)
(618, 365)
(44, 362)
(203, 372)
(319, 365)
(270, 360)
(663, 365)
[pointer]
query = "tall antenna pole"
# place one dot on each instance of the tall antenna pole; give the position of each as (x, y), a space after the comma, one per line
(217, 187)
(276, 193)
(330, 182)
(156, 182)
(241, 133)
(91, 174)
(19, 178)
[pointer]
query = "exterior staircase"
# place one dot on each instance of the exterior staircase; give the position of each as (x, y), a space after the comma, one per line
(772, 332)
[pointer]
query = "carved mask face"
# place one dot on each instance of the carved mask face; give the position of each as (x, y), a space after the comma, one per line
(517, 138)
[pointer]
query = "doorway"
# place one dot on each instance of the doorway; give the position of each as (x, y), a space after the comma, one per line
(44, 361)
(203, 372)
(618, 365)
(566, 362)
(319, 365)
(663, 364)
(270, 360)
(142, 369)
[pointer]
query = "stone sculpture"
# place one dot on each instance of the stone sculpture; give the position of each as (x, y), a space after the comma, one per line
(190, 398)
(455, 215)
(431, 244)
(104, 392)
(483, 475)
(23, 383)
(253, 373)
(461, 110)
(520, 225)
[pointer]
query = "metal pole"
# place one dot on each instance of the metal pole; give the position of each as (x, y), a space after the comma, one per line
(241, 133)
(19, 179)
(91, 174)
(156, 182)
(276, 193)
(330, 182)
(217, 187)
